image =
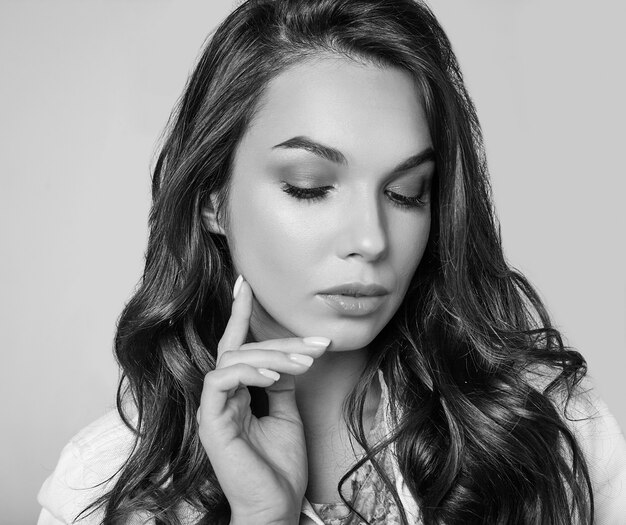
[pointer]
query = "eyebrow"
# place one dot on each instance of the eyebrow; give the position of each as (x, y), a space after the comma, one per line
(335, 156)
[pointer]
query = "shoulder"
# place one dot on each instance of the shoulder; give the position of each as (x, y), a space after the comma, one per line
(604, 447)
(584, 411)
(87, 468)
(601, 439)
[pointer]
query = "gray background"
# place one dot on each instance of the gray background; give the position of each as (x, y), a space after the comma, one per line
(86, 87)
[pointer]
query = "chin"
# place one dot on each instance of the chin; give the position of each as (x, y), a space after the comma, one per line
(344, 336)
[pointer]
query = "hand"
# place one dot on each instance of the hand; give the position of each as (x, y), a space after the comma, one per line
(261, 464)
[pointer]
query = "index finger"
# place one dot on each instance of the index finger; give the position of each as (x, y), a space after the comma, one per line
(236, 330)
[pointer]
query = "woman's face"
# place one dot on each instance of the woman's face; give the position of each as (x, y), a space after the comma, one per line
(354, 138)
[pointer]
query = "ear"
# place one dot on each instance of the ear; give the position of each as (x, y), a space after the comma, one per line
(209, 216)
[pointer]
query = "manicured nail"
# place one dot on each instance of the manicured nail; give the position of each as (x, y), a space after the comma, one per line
(269, 373)
(317, 342)
(237, 285)
(301, 359)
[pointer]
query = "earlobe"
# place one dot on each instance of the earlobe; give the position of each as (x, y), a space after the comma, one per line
(209, 218)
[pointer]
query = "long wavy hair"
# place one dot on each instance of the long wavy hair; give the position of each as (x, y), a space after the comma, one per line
(476, 440)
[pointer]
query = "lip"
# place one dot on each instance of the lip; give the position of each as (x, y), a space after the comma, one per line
(356, 289)
(353, 306)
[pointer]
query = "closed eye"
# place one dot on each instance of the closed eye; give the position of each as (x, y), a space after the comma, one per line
(315, 194)
(309, 194)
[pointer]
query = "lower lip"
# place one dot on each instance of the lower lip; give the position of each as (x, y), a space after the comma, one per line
(354, 306)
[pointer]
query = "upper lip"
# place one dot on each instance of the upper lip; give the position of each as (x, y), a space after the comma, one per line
(357, 289)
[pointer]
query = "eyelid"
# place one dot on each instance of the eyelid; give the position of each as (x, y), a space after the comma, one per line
(316, 187)
(306, 193)
(424, 173)
(318, 193)
(409, 194)
(300, 171)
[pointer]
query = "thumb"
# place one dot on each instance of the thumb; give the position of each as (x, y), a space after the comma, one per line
(281, 398)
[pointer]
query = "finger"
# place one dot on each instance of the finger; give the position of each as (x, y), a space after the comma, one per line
(291, 363)
(236, 330)
(313, 346)
(218, 384)
(281, 398)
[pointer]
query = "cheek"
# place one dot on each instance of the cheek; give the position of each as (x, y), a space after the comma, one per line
(423, 232)
(271, 246)
(409, 239)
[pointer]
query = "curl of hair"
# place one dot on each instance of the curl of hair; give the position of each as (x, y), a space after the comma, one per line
(475, 441)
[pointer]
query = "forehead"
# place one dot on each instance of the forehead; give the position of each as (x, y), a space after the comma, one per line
(344, 103)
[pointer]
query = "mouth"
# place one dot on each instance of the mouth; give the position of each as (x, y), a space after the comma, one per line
(357, 290)
(353, 305)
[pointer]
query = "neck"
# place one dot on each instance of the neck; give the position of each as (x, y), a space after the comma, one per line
(320, 392)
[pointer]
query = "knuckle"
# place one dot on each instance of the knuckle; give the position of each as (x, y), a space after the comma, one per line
(209, 379)
(241, 368)
(225, 359)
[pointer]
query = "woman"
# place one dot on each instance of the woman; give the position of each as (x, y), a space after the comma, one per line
(377, 360)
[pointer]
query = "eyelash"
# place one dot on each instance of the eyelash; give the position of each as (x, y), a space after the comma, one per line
(315, 194)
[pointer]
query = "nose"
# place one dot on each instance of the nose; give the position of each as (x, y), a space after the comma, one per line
(364, 233)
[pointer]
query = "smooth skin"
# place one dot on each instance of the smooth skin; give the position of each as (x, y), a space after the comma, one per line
(289, 250)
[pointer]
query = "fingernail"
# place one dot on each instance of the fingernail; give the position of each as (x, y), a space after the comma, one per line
(301, 359)
(317, 342)
(237, 285)
(269, 373)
